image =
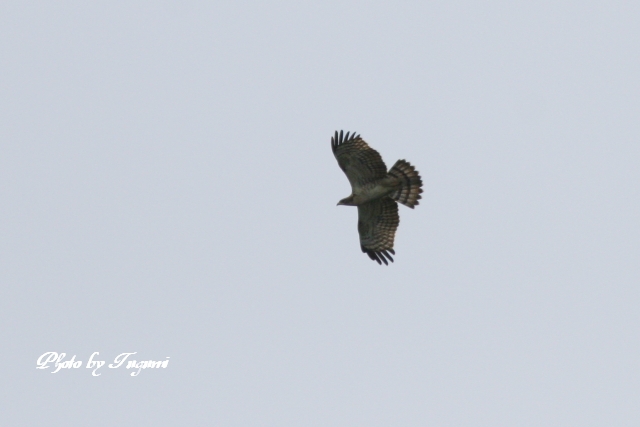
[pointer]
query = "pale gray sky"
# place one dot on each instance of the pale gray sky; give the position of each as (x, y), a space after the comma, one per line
(168, 188)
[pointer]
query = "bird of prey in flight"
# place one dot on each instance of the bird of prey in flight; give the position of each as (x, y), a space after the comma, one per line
(375, 192)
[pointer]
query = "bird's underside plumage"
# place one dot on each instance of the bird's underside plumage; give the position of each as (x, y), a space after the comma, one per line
(375, 192)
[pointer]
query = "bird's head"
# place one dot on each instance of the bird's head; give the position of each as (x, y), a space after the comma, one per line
(347, 201)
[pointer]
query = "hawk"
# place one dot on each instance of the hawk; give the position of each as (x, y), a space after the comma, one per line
(375, 192)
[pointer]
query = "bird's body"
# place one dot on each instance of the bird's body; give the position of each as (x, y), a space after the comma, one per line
(371, 191)
(375, 192)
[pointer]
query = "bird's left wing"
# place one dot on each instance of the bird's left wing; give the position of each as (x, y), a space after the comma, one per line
(377, 224)
(361, 163)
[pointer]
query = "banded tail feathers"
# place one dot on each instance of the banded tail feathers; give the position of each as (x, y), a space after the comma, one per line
(410, 184)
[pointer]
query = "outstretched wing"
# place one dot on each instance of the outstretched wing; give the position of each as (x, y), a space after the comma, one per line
(361, 163)
(377, 224)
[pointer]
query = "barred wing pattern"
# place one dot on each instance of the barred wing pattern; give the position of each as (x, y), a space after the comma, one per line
(361, 163)
(377, 224)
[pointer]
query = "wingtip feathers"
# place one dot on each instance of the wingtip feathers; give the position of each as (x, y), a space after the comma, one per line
(340, 138)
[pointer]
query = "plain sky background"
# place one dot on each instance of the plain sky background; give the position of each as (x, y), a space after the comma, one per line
(168, 188)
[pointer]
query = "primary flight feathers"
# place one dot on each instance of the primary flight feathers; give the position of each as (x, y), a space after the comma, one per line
(375, 192)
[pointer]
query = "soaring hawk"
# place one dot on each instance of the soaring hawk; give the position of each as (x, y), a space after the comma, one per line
(375, 192)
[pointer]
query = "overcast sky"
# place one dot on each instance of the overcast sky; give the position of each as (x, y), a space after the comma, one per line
(168, 188)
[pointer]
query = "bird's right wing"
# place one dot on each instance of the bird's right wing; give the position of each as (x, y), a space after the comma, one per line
(377, 224)
(361, 163)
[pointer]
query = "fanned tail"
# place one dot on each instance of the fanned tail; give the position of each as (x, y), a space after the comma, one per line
(410, 184)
